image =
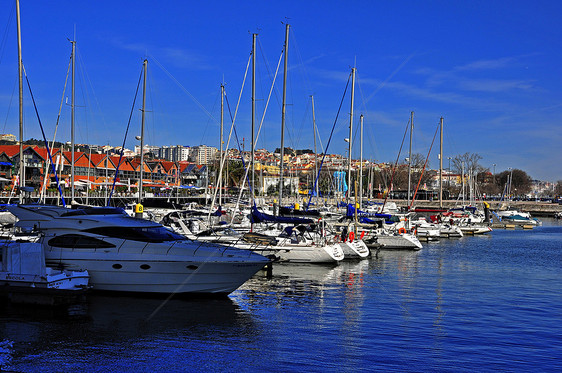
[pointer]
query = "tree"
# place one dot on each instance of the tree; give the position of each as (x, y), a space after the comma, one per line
(520, 181)
(467, 162)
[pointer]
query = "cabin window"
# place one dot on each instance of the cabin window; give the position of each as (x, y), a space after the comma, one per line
(77, 241)
(144, 266)
(144, 234)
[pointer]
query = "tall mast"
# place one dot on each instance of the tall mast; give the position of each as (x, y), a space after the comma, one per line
(253, 110)
(281, 165)
(441, 163)
(361, 162)
(20, 70)
(315, 153)
(72, 116)
(220, 140)
(145, 68)
(410, 155)
(350, 134)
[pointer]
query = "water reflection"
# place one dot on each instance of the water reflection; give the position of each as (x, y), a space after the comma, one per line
(118, 321)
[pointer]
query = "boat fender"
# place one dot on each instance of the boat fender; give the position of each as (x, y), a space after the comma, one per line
(351, 236)
(402, 230)
(138, 210)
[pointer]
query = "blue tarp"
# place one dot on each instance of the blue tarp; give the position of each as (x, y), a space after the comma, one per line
(260, 217)
(363, 214)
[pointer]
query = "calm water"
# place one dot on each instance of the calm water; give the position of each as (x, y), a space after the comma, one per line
(489, 303)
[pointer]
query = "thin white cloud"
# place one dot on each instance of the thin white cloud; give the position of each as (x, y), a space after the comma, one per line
(494, 85)
(486, 64)
(176, 56)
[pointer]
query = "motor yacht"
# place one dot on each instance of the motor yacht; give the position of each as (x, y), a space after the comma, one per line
(126, 254)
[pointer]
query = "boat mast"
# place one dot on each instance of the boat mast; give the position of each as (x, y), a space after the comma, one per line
(145, 66)
(281, 165)
(20, 71)
(221, 142)
(361, 161)
(350, 135)
(253, 112)
(410, 155)
(441, 164)
(315, 153)
(72, 116)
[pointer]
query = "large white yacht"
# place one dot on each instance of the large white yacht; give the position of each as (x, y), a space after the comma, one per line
(126, 254)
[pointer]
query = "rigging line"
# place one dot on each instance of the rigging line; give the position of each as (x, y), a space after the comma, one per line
(390, 76)
(225, 156)
(268, 70)
(304, 119)
(10, 105)
(44, 137)
(125, 139)
(425, 164)
(47, 164)
(209, 119)
(151, 118)
(6, 31)
(395, 166)
(328, 144)
(300, 59)
(92, 86)
(246, 169)
(269, 96)
(237, 138)
(261, 123)
(364, 104)
(85, 96)
(183, 88)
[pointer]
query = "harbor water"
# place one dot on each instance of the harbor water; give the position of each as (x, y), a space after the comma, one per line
(482, 303)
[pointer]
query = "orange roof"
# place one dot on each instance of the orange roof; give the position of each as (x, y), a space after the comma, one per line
(97, 158)
(167, 165)
(11, 150)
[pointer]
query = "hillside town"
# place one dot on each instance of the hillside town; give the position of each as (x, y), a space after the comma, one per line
(197, 169)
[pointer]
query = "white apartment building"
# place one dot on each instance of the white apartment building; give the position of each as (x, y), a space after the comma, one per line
(203, 154)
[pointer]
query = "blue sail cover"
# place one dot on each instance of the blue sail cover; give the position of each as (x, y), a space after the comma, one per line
(366, 215)
(259, 217)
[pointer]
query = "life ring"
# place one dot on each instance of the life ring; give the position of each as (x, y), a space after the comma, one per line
(351, 236)
(402, 230)
(362, 235)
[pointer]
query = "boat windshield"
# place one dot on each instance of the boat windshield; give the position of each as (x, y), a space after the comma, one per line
(144, 234)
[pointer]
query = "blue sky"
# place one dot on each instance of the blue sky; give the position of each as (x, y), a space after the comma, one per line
(491, 69)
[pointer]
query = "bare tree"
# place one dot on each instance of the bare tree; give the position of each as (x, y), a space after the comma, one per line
(470, 162)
